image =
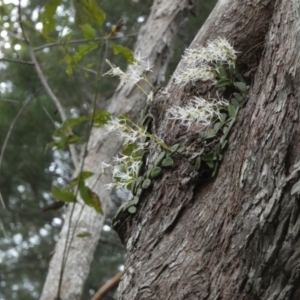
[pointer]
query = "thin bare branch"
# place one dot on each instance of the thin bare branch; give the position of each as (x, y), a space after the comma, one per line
(11, 34)
(1, 200)
(46, 86)
(81, 41)
(10, 100)
(109, 285)
(18, 61)
(48, 114)
(10, 130)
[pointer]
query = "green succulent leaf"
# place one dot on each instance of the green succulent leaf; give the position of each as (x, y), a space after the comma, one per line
(198, 163)
(222, 83)
(224, 144)
(223, 118)
(215, 170)
(181, 150)
(175, 147)
(221, 70)
(232, 110)
(210, 164)
(207, 157)
(241, 86)
(146, 183)
(135, 200)
(238, 97)
(167, 162)
(132, 209)
(160, 158)
(155, 172)
(235, 103)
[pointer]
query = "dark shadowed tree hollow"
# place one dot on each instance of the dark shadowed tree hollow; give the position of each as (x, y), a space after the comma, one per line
(236, 236)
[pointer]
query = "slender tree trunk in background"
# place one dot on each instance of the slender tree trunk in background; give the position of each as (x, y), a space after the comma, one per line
(235, 236)
(154, 43)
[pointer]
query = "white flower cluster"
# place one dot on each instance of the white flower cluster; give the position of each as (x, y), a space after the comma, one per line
(198, 111)
(125, 171)
(126, 166)
(135, 72)
(200, 64)
(129, 131)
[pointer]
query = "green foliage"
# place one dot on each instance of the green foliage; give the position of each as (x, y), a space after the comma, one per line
(206, 161)
(28, 171)
(101, 118)
(68, 193)
(63, 194)
(48, 16)
(126, 52)
(64, 135)
(88, 11)
(96, 13)
(83, 235)
(89, 32)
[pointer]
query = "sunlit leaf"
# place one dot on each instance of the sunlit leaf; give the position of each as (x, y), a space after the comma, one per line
(85, 175)
(101, 118)
(96, 13)
(89, 32)
(48, 19)
(90, 198)
(81, 178)
(63, 194)
(74, 122)
(84, 50)
(130, 149)
(126, 52)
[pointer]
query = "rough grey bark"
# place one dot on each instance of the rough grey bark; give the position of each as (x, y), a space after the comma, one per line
(154, 43)
(236, 236)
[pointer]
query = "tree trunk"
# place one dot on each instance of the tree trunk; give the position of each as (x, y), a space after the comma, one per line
(235, 236)
(154, 43)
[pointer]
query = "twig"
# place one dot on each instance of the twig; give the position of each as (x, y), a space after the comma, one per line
(1, 200)
(18, 61)
(66, 248)
(80, 41)
(11, 33)
(47, 87)
(109, 285)
(48, 114)
(10, 130)
(9, 100)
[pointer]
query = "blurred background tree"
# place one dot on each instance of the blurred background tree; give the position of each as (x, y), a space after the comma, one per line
(28, 118)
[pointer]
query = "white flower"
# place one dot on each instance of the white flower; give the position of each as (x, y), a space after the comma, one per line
(125, 171)
(218, 50)
(193, 74)
(135, 72)
(200, 63)
(131, 76)
(198, 111)
(129, 134)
